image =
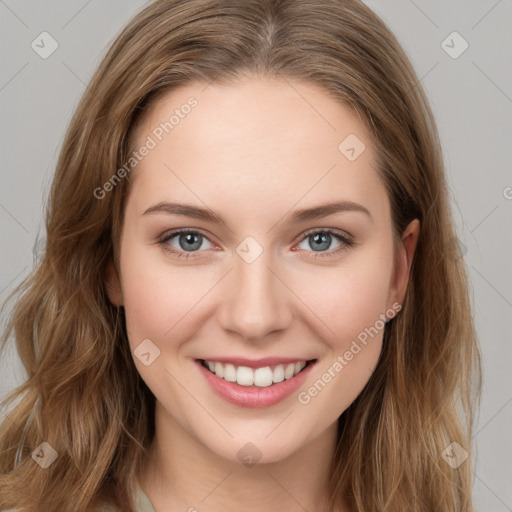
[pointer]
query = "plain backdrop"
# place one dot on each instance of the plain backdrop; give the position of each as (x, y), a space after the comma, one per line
(470, 93)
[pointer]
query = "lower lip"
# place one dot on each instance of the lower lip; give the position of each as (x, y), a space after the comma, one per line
(254, 397)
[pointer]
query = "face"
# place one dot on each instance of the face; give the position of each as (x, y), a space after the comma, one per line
(249, 273)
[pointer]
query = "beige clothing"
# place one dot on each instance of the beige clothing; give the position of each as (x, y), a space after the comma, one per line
(142, 503)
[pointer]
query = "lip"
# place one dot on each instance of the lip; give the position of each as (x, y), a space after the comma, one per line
(255, 363)
(244, 396)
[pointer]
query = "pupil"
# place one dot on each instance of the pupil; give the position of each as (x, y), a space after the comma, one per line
(190, 244)
(322, 238)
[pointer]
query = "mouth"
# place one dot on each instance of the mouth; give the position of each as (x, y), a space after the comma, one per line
(255, 376)
(262, 383)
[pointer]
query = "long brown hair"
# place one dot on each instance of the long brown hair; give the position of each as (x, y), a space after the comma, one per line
(83, 394)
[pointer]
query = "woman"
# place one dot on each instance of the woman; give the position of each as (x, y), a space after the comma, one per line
(249, 295)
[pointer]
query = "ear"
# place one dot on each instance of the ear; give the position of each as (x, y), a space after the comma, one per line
(403, 262)
(113, 285)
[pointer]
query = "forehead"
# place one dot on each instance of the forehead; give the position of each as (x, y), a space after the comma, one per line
(259, 142)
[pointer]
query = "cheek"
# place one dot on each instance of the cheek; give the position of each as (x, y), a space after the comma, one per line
(350, 300)
(161, 299)
(350, 297)
(155, 296)
(166, 303)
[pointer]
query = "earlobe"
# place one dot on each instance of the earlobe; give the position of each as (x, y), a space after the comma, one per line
(409, 241)
(113, 285)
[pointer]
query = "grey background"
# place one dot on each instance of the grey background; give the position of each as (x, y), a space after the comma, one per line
(471, 97)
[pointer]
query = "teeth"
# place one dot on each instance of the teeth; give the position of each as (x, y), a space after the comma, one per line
(219, 370)
(263, 377)
(229, 372)
(289, 371)
(259, 377)
(278, 374)
(244, 376)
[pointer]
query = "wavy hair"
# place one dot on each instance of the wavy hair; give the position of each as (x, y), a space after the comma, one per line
(83, 394)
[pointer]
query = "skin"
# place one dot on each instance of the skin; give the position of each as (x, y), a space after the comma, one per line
(254, 152)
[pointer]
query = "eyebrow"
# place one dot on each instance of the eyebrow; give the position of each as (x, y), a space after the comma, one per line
(296, 216)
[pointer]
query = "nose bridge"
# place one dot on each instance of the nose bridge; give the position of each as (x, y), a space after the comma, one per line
(255, 302)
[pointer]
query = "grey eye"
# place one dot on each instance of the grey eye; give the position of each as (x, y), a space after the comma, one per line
(319, 241)
(187, 241)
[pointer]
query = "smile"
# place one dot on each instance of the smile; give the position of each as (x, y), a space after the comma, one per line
(260, 383)
(261, 377)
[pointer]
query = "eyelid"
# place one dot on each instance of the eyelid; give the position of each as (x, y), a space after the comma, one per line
(336, 231)
(174, 232)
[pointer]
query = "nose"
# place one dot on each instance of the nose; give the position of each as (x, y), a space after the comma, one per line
(254, 300)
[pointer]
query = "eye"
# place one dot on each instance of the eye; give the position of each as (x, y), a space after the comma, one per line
(183, 243)
(321, 240)
(187, 241)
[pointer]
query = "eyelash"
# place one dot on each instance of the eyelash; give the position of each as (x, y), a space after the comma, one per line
(342, 237)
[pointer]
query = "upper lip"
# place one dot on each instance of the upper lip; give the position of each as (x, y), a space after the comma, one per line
(257, 363)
